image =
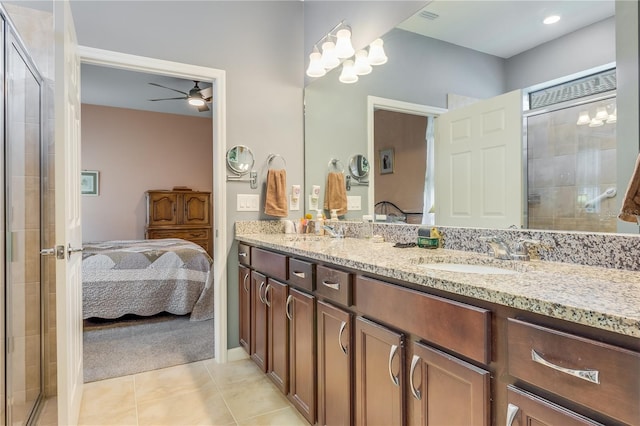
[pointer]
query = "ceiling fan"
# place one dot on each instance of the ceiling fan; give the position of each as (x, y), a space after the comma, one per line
(197, 97)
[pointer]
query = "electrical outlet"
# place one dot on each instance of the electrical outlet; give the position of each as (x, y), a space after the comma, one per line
(354, 203)
(247, 202)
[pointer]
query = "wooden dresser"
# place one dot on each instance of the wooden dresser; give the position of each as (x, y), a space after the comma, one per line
(180, 214)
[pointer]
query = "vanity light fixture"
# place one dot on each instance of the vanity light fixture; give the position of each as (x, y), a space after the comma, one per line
(342, 50)
(601, 113)
(613, 118)
(551, 19)
(595, 122)
(583, 118)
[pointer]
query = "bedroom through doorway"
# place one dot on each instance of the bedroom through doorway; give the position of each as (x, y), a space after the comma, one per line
(133, 147)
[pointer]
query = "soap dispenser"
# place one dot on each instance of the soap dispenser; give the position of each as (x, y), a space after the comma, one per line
(334, 215)
(319, 230)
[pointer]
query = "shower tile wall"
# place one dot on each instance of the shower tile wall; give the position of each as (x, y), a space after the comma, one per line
(568, 166)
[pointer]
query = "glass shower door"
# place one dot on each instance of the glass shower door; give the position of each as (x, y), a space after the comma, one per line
(23, 233)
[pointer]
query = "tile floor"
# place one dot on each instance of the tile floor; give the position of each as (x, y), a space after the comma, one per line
(200, 393)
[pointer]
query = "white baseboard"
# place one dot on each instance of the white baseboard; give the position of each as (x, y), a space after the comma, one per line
(236, 354)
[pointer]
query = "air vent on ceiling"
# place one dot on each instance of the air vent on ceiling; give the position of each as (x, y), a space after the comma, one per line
(597, 83)
(429, 15)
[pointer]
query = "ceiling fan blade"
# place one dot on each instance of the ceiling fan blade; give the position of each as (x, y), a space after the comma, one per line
(167, 99)
(165, 87)
(207, 93)
(203, 108)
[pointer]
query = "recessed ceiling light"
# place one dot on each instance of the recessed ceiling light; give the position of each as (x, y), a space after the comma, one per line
(551, 19)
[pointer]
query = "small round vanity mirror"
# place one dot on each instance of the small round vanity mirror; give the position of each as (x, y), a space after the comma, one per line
(359, 167)
(240, 159)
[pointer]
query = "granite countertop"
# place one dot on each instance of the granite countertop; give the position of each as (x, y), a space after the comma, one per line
(604, 298)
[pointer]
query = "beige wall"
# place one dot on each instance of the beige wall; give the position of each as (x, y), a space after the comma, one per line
(404, 187)
(135, 151)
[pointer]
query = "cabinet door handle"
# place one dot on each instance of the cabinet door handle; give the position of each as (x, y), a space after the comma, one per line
(244, 282)
(335, 286)
(392, 354)
(299, 274)
(260, 292)
(288, 308)
(415, 392)
(512, 410)
(266, 293)
(344, 349)
(588, 375)
(242, 254)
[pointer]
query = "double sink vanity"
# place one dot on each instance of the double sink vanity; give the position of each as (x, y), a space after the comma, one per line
(359, 332)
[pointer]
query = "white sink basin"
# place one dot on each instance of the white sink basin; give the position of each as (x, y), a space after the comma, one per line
(469, 269)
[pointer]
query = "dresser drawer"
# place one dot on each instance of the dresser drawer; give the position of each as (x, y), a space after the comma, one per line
(597, 375)
(334, 285)
(271, 264)
(302, 274)
(455, 326)
(244, 254)
(185, 234)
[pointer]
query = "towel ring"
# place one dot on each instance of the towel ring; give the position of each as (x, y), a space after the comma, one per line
(272, 157)
(335, 165)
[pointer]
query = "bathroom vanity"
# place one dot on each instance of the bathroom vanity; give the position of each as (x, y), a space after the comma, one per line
(356, 332)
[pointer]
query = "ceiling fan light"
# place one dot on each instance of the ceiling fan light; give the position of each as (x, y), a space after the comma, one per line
(376, 52)
(344, 49)
(551, 19)
(362, 63)
(329, 57)
(196, 101)
(583, 118)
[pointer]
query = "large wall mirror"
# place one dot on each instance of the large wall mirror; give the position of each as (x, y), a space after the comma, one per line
(439, 66)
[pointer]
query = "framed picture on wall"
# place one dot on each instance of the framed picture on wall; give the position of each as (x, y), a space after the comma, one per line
(386, 161)
(89, 182)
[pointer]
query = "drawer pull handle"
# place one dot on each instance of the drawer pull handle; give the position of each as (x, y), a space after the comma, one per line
(342, 348)
(392, 354)
(512, 410)
(415, 392)
(266, 293)
(588, 375)
(299, 274)
(287, 307)
(335, 286)
(260, 292)
(242, 254)
(244, 283)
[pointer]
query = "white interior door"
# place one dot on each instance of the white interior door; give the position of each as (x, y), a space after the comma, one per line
(478, 167)
(68, 225)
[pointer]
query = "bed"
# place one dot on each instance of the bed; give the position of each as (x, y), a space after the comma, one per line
(146, 277)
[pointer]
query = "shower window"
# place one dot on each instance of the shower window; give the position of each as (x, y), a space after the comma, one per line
(571, 166)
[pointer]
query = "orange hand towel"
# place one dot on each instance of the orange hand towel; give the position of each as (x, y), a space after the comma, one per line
(335, 196)
(630, 211)
(275, 203)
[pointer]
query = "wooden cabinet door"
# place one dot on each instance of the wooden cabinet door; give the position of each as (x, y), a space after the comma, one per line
(162, 208)
(258, 347)
(196, 209)
(244, 296)
(526, 409)
(444, 390)
(379, 376)
(275, 296)
(302, 353)
(335, 366)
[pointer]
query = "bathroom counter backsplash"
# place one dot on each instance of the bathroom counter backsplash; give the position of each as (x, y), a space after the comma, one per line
(605, 298)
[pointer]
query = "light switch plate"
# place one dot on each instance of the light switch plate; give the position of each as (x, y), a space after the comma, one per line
(313, 203)
(248, 202)
(294, 204)
(354, 203)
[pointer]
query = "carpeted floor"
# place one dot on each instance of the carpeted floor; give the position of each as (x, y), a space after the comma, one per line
(131, 344)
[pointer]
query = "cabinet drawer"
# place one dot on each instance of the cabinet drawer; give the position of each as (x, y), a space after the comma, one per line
(302, 274)
(244, 254)
(269, 263)
(600, 376)
(333, 284)
(456, 326)
(185, 234)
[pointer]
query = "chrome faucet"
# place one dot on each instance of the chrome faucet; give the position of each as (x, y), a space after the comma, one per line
(333, 232)
(499, 247)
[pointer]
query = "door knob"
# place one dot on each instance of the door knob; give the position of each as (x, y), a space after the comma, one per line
(71, 250)
(57, 251)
